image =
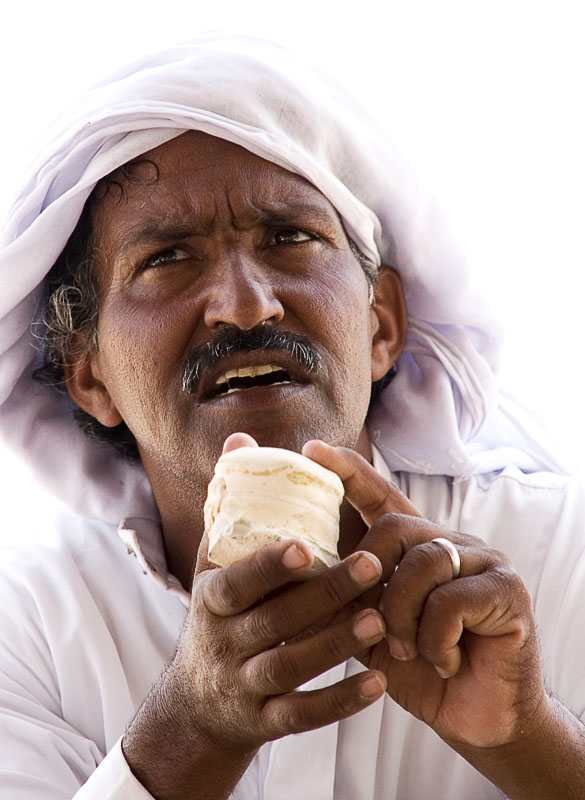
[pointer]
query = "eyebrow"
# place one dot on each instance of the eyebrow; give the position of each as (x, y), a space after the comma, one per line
(162, 231)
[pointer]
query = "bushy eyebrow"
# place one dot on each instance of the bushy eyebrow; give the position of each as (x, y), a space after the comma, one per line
(168, 228)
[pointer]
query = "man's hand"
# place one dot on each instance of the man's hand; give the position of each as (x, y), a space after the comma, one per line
(252, 636)
(245, 642)
(461, 655)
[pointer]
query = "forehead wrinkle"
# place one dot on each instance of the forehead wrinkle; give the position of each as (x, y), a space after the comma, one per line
(176, 218)
(162, 213)
(282, 197)
(284, 212)
(176, 224)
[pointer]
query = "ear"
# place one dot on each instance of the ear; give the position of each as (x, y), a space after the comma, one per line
(83, 381)
(389, 322)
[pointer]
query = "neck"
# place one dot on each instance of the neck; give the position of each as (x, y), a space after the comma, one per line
(182, 524)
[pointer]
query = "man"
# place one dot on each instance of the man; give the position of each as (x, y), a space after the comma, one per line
(218, 209)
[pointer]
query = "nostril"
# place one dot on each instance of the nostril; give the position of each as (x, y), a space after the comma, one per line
(244, 309)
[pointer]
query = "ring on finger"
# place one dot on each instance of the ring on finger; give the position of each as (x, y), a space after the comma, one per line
(453, 554)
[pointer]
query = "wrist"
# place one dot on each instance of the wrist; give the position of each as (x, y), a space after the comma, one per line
(544, 761)
(173, 759)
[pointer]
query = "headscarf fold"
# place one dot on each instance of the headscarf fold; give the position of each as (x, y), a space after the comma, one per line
(432, 418)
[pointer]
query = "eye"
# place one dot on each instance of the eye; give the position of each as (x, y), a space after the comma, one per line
(291, 236)
(170, 255)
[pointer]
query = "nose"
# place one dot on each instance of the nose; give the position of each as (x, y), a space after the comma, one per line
(243, 295)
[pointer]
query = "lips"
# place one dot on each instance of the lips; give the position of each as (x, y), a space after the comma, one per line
(236, 375)
(245, 362)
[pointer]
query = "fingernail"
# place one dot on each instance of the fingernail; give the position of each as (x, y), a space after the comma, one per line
(293, 557)
(399, 650)
(366, 568)
(442, 672)
(368, 627)
(372, 687)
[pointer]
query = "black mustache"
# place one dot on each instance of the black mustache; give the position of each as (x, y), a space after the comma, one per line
(231, 340)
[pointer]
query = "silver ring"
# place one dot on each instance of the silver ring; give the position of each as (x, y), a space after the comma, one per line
(453, 554)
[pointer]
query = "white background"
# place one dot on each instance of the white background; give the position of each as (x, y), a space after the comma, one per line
(487, 97)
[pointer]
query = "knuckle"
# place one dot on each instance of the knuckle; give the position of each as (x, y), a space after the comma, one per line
(265, 624)
(337, 646)
(409, 573)
(261, 674)
(334, 588)
(507, 584)
(259, 626)
(513, 580)
(515, 601)
(473, 541)
(425, 556)
(280, 668)
(337, 704)
(497, 560)
(391, 521)
(280, 718)
(266, 567)
(440, 602)
(220, 593)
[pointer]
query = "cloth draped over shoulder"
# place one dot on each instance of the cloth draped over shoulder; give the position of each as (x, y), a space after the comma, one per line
(440, 415)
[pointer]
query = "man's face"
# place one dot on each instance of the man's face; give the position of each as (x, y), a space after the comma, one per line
(210, 242)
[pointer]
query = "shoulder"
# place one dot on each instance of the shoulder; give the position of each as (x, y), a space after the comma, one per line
(62, 543)
(49, 577)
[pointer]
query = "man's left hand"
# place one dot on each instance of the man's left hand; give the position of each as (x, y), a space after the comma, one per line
(461, 654)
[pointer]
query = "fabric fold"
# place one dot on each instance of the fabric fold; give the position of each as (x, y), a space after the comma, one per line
(439, 413)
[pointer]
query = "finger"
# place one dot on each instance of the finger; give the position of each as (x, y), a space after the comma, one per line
(282, 669)
(370, 493)
(412, 586)
(236, 440)
(393, 535)
(390, 537)
(493, 604)
(230, 590)
(299, 608)
(303, 711)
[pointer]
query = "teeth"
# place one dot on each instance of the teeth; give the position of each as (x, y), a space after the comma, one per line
(278, 383)
(247, 372)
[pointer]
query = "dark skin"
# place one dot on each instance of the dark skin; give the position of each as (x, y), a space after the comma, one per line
(222, 238)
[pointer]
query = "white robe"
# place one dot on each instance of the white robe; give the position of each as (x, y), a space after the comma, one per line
(91, 628)
(85, 631)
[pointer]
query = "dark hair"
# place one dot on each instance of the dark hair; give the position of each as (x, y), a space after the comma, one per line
(69, 323)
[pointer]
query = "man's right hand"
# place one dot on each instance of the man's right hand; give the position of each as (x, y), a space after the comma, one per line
(243, 651)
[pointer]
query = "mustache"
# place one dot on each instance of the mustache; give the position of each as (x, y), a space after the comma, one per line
(231, 340)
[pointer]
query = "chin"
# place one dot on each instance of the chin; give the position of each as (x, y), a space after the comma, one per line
(289, 440)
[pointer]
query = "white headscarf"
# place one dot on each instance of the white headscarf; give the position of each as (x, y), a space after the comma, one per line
(255, 94)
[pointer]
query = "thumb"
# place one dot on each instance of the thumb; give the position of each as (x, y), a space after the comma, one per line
(236, 440)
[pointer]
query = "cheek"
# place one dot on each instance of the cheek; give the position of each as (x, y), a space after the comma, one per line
(342, 314)
(140, 354)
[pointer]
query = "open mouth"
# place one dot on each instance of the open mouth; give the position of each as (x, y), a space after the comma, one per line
(236, 380)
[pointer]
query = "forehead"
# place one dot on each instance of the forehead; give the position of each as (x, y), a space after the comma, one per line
(196, 174)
